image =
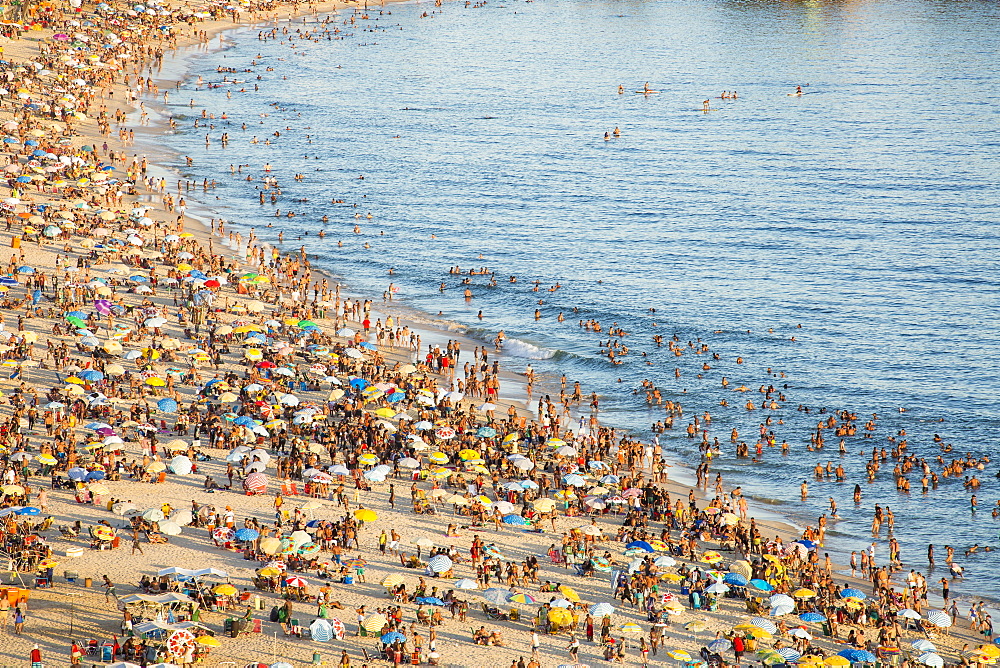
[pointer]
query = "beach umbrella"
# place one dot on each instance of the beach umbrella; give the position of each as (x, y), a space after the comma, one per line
(697, 626)
(923, 645)
(677, 654)
(169, 528)
(393, 580)
(365, 515)
(769, 657)
(764, 623)
(270, 545)
(931, 659)
(780, 599)
(569, 593)
(543, 505)
(374, 623)
(718, 588)
(521, 599)
(857, 656)
(122, 507)
(906, 613)
(225, 590)
(813, 617)
(761, 585)
(799, 632)
(167, 405)
(735, 579)
(153, 515)
(640, 545)
(222, 534)
(496, 595)
(939, 619)
(321, 630)
(393, 637)
(631, 628)
(515, 520)
(850, 592)
(295, 581)
(247, 534)
(719, 646)
(789, 654)
(560, 616)
(466, 583)
(440, 563)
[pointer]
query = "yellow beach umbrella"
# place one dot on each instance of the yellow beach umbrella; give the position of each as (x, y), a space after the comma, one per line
(560, 616)
(365, 515)
(569, 593)
(225, 590)
(543, 505)
(393, 580)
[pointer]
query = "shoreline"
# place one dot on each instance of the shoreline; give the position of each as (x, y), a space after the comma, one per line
(788, 525)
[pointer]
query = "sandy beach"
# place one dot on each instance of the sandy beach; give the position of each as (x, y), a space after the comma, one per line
(166, 388)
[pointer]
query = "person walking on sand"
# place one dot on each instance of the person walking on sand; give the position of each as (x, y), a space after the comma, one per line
(109, 589)
(18, 621)
(135, 542)
(574, 648)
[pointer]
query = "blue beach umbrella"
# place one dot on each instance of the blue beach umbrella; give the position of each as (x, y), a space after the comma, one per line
(813, 617)
(430, 600)
(392, 637)
(640, 545)
(515, 520)
(247, 534)
(850, 592)
(735, 579)
(857, 656)
(167, 405)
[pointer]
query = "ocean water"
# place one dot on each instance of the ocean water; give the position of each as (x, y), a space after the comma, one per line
(859, 218)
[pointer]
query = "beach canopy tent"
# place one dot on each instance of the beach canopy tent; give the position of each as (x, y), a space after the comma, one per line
(160, 625)
(186, 574)
(159, 601)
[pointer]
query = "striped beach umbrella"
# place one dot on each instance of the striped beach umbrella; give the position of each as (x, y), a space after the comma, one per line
(939, 619)
(440, 563)
(374, 623)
